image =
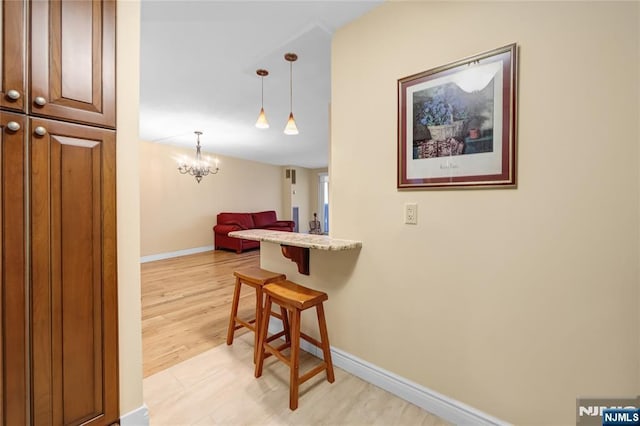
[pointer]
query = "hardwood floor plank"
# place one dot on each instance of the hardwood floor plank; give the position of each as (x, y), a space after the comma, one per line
(185, 305)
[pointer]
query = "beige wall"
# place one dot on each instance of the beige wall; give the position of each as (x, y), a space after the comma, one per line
(178, 213)
(128, 199)
(512, 301)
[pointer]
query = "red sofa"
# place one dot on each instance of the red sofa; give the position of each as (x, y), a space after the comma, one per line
(227, 222)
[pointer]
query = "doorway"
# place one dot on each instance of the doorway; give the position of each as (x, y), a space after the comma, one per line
(323, 201)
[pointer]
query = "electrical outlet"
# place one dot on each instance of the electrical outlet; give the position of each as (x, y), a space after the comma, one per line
(411, 213)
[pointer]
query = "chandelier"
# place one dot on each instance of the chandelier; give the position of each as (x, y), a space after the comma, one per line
(198, 168)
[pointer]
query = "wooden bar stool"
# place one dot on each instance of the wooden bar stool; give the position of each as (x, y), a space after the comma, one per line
(254, 277)
(295, 298)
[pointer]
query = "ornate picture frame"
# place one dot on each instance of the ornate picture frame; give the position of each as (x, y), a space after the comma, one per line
(457, 124)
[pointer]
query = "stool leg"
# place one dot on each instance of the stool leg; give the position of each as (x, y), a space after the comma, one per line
(234, 312)
(264, 326)
(324, 338)
(294, 380)
(258, 322)
(285, 324)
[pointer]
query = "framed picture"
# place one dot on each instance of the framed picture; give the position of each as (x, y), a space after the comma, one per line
(457, 124)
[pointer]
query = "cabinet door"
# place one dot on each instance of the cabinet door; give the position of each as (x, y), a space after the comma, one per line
(73, 274)
(12, 54)
(13, 379)
(73, 60)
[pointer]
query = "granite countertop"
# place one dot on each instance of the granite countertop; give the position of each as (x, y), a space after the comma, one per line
(320, 242)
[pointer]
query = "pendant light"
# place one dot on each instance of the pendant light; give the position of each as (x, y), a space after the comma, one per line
(291, 128)
(262, 122)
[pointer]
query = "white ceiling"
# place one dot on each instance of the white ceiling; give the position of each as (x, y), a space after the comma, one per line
(198, 72)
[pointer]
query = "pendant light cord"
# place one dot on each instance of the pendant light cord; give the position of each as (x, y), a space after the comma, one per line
(290, 86)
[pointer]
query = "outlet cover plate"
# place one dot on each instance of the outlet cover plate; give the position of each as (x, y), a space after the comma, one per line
(411, 213)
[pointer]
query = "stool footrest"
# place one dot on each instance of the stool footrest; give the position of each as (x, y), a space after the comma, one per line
(309, 374)
(276, 352)
(283, 346)
(310, 340)
(277, 315)
(279, 348)
(276, 336)
(249, 324)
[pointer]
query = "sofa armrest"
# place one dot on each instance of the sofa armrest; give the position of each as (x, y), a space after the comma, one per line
(285, 223)
(224, 229)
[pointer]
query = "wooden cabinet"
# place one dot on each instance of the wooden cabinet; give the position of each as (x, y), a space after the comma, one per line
(13, 70)
(73, 267)
(70, 48)
(58, 284)
(13, 278)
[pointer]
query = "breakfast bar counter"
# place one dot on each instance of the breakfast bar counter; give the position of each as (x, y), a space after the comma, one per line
(295, 246)
(320, 242)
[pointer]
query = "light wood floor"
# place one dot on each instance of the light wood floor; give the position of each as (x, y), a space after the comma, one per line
(218, 387)
(193, 378)
(185, 305)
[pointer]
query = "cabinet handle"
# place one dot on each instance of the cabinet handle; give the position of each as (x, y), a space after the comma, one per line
(39, 100)
(13, 126)
(40, 131)
(14, 95)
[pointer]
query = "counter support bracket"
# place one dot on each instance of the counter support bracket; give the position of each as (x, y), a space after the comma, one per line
(299, 255)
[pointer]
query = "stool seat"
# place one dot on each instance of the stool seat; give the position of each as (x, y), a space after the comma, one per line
(295, 299)
(258, 276)
(254, 277)
(295, 294)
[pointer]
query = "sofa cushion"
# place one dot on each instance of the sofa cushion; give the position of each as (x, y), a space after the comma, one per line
(264, 219)
(243, 220)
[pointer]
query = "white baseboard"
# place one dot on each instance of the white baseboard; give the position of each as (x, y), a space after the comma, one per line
(137, 417)
(169, 255)
(449, 409)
